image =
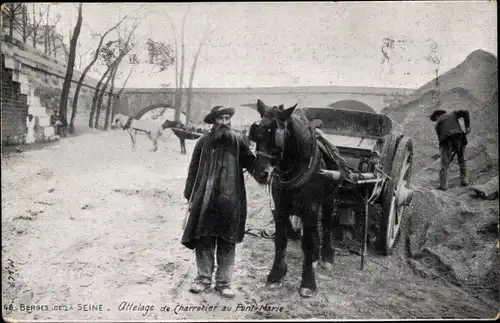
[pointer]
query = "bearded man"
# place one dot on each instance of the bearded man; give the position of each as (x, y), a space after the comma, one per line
(216, 192)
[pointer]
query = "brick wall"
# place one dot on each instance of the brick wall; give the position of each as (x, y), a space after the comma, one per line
(32, 83)
(14, 109)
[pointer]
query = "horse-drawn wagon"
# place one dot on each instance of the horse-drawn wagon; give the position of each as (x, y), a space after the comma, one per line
(379, 162)
(350, 164)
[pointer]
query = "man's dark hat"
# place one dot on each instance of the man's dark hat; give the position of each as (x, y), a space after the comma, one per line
(435, 115)
(218, 111)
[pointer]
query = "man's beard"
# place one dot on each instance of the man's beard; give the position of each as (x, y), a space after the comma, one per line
(224, 132)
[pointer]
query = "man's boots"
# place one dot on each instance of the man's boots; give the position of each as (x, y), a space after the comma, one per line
(464, 181)
(443, 178)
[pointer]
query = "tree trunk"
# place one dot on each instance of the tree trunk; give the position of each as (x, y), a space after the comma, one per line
(63, 46)
(35, 27)
(191, 77)
(63, 105)
(97, 101)
(25, 23)
(46, 34)
(95, 98)
(179, 92)
(120, 93)
(82, 78)
(52, 37)
(110, 97)
(114, 69)
(100, 97)
(12, 19)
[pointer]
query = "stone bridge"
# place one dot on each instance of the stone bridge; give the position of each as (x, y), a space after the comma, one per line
(135, 102)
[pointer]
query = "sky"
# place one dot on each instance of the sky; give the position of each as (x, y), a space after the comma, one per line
(297, 43)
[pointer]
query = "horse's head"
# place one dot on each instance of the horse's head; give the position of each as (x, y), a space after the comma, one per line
(269, 135)
(117, 121)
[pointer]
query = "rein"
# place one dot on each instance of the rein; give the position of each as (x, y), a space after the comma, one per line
(305, 173)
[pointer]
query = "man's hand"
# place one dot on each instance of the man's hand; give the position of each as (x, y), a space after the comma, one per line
(467, 130)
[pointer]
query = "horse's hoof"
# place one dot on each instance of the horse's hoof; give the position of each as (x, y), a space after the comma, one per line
(326, 265)
(306, 292)
(274, 286)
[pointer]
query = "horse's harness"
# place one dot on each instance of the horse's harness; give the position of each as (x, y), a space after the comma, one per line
(128, 123)
(305, 173)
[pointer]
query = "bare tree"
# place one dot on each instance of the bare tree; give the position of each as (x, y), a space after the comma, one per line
(50, 31)
(95, 98)
(179, 73)
(179, 92)
(63, 105)
(435, 59)
(25, 23)
(84, 74)
(80, 55)
(46, 33)
(387, 47)
(108, 56)
(110, 97)
(63, 45)
(100, 97)
(114, 69)
(120, 92)
(36, 24)
(52, 40)
(12, 13)
(189, 92)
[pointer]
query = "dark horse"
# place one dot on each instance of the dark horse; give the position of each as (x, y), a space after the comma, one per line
(288, 158)
(182, 132)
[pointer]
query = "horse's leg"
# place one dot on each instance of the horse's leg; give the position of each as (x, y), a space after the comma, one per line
(132, 134)
(150, 136)
(327, 251)
(153, 138)
(155, 144)
(279, 269)
(183, 145)
(310, 250)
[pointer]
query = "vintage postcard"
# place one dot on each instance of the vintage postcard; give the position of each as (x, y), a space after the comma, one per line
(249, 161)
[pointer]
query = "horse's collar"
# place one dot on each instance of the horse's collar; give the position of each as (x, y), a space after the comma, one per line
(128, 123)
(305, 173)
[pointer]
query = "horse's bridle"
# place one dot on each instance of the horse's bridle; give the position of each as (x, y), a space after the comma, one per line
(279, 141)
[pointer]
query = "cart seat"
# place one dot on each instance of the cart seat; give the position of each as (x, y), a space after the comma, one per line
(358, 147)
(349, 122)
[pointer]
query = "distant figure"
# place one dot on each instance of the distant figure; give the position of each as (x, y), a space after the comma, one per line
(58, 123)
(30, 124)
(452, 141)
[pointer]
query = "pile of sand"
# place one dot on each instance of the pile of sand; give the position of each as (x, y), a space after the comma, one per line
(452, 234)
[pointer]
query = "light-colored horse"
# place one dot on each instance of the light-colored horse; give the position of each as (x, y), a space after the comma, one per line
(152, 129)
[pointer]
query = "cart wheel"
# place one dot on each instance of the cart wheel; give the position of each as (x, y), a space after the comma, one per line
(397, 194)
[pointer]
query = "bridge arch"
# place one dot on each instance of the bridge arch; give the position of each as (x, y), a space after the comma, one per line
(352, 105)
(152, 107)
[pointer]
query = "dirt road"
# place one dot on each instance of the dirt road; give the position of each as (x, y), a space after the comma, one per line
(86, 221)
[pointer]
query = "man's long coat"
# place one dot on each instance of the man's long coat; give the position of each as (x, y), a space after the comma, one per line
(215, 179)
